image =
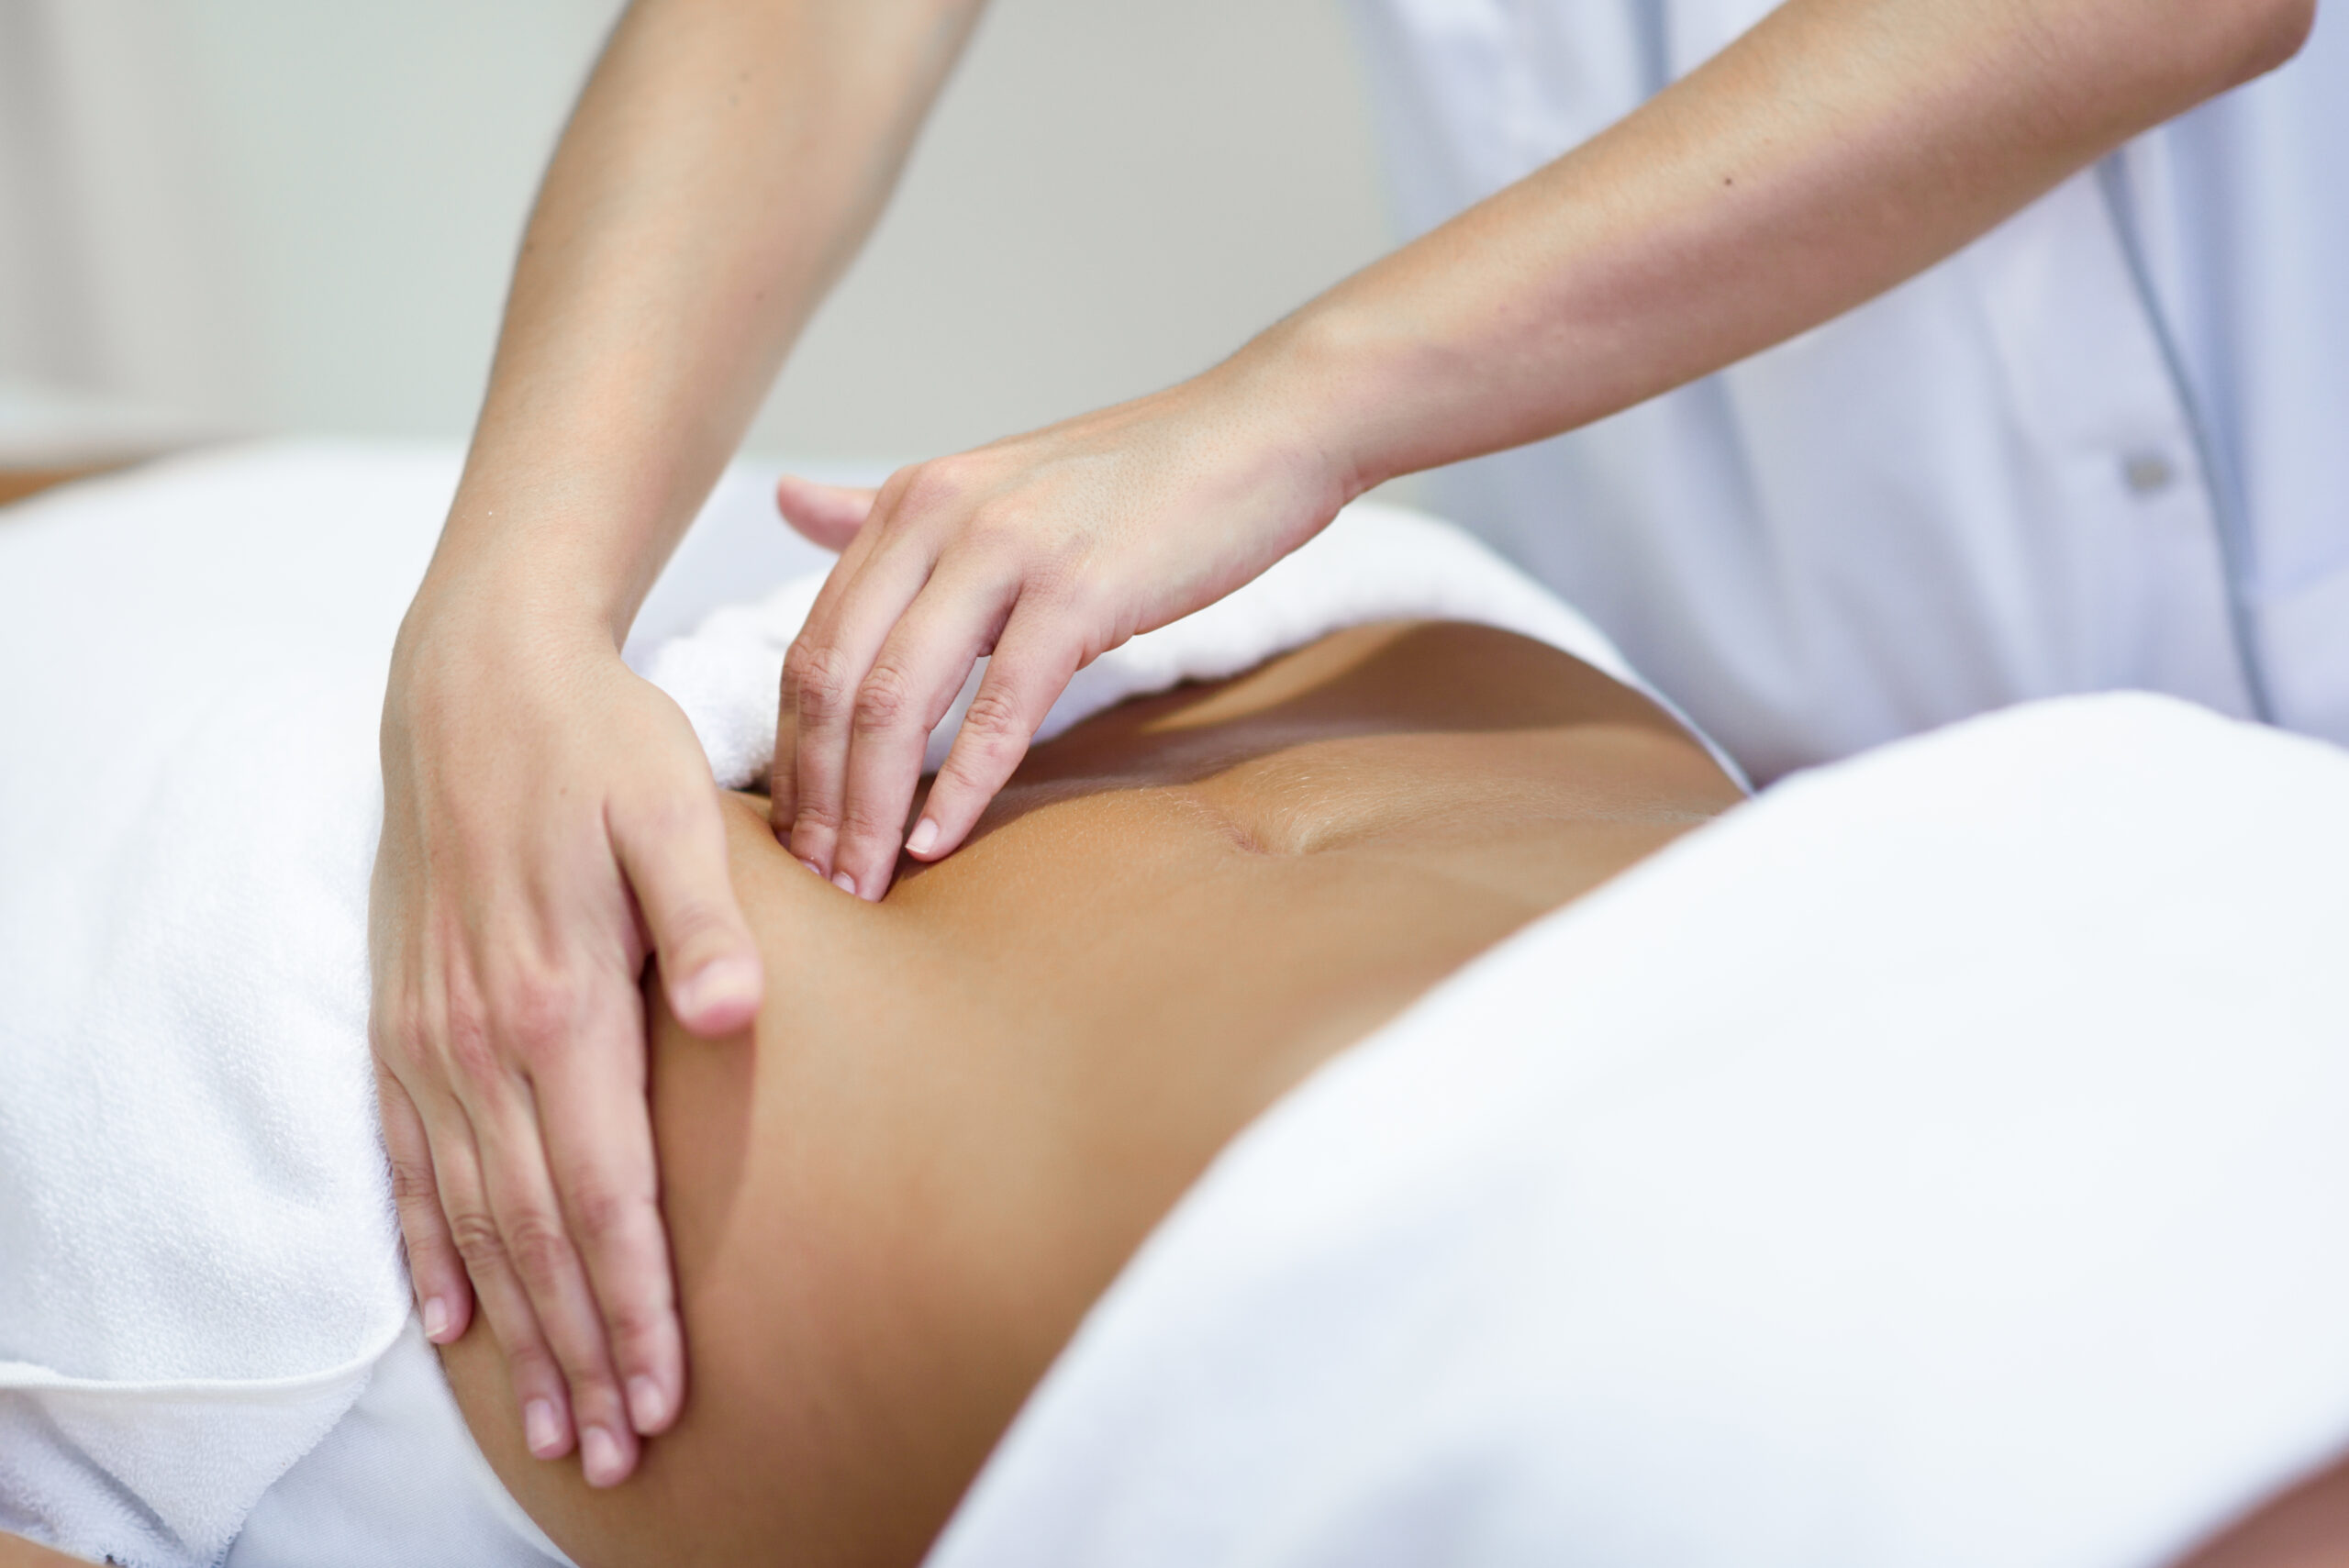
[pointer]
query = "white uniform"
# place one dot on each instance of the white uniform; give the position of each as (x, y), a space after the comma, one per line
(2106, 446)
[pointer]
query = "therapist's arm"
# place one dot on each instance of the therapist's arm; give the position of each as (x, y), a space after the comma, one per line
(549, 819)
(1840, 147)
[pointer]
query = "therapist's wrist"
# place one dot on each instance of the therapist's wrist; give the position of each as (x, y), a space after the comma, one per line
(480, 612)
(521, 562)
(1346, 404)
(543, 597)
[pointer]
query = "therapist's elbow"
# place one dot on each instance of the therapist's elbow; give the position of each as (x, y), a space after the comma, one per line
(2225, 43)
(2140, 62)
(2276, 29)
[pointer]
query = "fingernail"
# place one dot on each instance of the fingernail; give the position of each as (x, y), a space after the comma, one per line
(646, 1404)
(845, 883)
(720, 982)
(540, 1430)
(599, 1456)
(436, 1320)
(811, 865)
(924, 835)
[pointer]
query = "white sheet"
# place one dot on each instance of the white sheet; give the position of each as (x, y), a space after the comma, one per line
(397, 1483)
(1943, 1159)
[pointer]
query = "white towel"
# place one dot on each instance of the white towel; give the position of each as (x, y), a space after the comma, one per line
(198, 1262)
(1942, 1160)
(1373, 564)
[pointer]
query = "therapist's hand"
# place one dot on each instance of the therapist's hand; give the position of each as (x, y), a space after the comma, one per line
(549, 821)
(1045, 551)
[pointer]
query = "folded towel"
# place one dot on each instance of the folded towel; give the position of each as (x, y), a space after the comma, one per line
(1373, 564)
(1942, 1160)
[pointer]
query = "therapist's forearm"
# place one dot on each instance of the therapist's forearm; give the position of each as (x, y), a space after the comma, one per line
(1836, 150)
(723, 165)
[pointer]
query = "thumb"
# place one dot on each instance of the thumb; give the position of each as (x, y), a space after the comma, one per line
(828, 515)
(674, 855)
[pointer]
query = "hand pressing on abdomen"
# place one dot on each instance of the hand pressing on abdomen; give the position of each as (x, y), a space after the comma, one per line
(549, 822)
(1038, 553)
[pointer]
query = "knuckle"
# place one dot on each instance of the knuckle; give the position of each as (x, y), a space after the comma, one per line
(395, 1029)
(994, 530)
(818, 674)
(892, 493)
(477, 1240)
(541, 1252)
(469, 1049)
(635, 1320)
(1058, 579)
(990, 747)
(533, 1016)
(663, 816)
(935, 485)
(386, 1021)
(968, 773)
(867, 829)
(412, 1184)
(689, 926)
(994, 720)
(602, 1214)
(884, 701)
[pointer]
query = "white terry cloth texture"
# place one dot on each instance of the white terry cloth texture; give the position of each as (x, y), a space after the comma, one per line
(397, 1483)
(198, 1262)
(1374, 563)
(1941, 1160)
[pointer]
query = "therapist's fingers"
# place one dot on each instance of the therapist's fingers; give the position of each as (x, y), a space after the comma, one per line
(1034, 659)
(826, 515)
(672, 848)
(534, 1243)
(599, 1147)
(913, 681)
(532, 1370)
(782, 773)
(444, 1296)
(823, 676)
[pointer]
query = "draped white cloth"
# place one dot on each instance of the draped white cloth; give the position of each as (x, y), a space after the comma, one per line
(1943, 1159)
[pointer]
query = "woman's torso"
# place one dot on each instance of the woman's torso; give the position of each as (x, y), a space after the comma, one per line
(965, 1106)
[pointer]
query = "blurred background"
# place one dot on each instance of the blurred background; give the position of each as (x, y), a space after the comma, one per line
(251, 217)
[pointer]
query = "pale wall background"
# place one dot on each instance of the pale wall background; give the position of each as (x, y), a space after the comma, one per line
(278, 215)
